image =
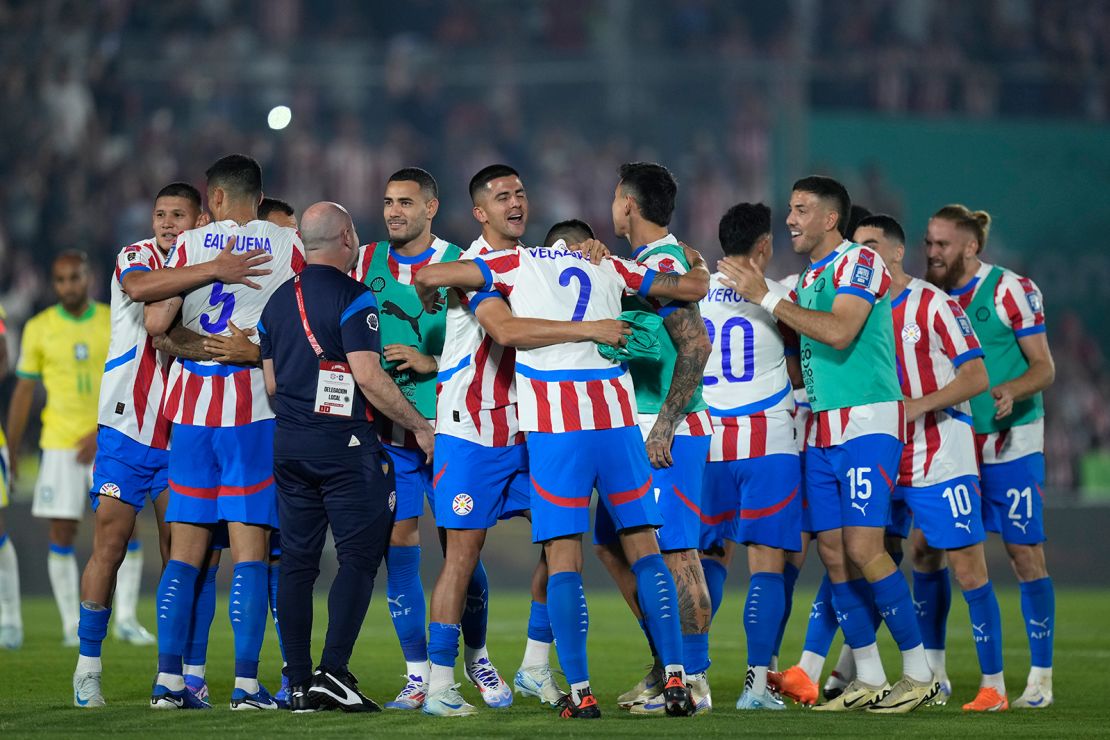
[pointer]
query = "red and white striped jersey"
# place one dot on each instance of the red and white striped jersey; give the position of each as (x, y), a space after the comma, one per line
(804, 428)
(135, 374)
(476, 395)
(1011, 444)
(745, 384)
(209, 393)
(933, 337)
(568, 387)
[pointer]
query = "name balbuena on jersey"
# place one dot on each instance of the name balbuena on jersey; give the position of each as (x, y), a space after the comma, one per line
(135, 374)
(568, 387)
(746, 384)
(933, 337)
(209, 393)
(475, 395)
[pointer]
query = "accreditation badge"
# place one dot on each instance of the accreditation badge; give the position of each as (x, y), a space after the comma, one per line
(335, 389)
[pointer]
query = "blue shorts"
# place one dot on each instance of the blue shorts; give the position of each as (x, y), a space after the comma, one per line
(948, 513)
(568, 466)
(678, 493)
(849, 485)
(414, 481)
(901, 515)
(223, 474)
(754, 502)
(1013, 499)
(127, 470)
(477, 485)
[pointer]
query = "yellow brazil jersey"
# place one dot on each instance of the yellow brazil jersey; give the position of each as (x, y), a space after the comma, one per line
(67, 353)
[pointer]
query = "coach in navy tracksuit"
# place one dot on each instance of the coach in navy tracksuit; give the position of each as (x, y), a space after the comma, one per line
(320, 356)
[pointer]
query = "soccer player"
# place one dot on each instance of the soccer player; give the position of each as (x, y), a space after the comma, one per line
(1007, 314)
(64, 347)
(675, 422)
(221, 461)
(580, 414)
(277, 212)
(847, 348)
(753, 479)
(11, 616)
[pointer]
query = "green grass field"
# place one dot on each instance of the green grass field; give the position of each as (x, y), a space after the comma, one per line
(36, 698)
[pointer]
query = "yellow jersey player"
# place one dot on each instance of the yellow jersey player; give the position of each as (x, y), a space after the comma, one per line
(11, 620)
(64, 347)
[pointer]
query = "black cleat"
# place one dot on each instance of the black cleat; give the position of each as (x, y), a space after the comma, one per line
(301, 701)
(677, 697)
(339, 690)
(585, 709)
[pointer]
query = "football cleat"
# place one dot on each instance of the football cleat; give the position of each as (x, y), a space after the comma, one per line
(699, 687)
(412, 696)
(70, 638)
(197, 686)
(856, 695)
(943, 695)
(241, 701)
(538, 681)
(281, 698)
(988, 700)
(11, 637)
(834, 685)
(163, 698)
(495, 692)
(448, 702)
(340, 690)
(302, 702)
(648, 688)
(586, 708)
(133, 633)
(795, 684)
(86, 690)
(1036, 695)
(751, 700)
(677, 698)
(905, 696)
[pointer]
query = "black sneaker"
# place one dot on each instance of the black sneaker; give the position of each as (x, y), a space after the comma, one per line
(340, 690)
(586, 708)
(677, 697)
(301, 701)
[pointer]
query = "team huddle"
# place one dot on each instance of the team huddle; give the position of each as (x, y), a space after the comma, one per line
(848, 408)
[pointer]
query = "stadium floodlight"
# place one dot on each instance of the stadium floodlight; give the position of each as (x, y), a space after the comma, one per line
(279, 117)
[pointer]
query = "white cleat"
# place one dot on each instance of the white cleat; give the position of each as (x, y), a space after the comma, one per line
(699, 687)
(133, 633)
(70, 638)
(649, 687)
(943, 695)
(495, 692)
(538, 681)
(86, 691)
(1036, 696)
(11, 637)
(412, 696)
(448, 702)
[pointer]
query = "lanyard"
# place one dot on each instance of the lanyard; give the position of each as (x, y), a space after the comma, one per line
(304, 319)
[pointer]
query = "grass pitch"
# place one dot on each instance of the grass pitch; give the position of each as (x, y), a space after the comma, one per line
(36, 696)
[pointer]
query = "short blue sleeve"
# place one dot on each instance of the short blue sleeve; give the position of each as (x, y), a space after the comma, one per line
(358, 325)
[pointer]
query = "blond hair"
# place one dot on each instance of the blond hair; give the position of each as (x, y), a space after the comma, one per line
(978, 223)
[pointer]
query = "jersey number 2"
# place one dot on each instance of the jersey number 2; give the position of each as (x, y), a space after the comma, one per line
(584, 288)
(226, 302)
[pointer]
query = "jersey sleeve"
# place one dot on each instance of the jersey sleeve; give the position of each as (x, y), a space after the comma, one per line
(862, 273)
(136, 257)
(636, 277)
(358, 324)
(953, 329)
(297, 257)
(500, 271)
(179, 254)
(30, 352)
(1020, 305)
(665, 262)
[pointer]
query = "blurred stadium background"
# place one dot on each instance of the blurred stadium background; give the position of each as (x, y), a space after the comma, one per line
(1000, 104)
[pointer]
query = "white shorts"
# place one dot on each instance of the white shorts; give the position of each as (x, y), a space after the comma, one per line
(5, 478)
(62, 490)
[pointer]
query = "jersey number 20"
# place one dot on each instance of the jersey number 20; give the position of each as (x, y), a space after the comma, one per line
(746, 350)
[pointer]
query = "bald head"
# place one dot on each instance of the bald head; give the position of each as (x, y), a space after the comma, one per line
(329, 235)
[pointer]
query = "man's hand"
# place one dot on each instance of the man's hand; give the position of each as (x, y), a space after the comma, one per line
(410, 359)
(744, 276)
(693, 257)
(236, 349)
(1003, 401)
(429, 295)
(86, 448)
(659, 444)
(203, 220)
(610, 331)
(426, 438)
(593, 250)
(234, 268)
(914, 408)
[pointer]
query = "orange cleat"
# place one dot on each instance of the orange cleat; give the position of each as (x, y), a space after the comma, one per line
(988, 700)
(796, 684)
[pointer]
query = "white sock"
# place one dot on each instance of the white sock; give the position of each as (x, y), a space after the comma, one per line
(128, 579)
(846, 664)
(536, 653)
(64, 580)
(995, 681)
(936, 660)
(757, 679)
(87, 664)
(419, 669)
(171, 681)
(194, 670)
(869, 666)
(812, 664)
(673, 668)
(1037, 675)
(916, 666)
(442, 677)
(576, 690)
(250, 685)
(10, 611)
(473, 655)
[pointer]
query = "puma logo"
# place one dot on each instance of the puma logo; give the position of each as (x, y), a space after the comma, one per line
(862, 507)
(1043, 624)
(961, 525)
(389, 308)
(919, 607)
(1021, 525)
(395, 602)
(980, 628)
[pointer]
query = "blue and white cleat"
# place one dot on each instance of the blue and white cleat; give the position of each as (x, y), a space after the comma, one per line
(538, 681)
(650, 686)
(242, 701)
(943, 695)
(86, 691)
(412, 696)
(197, 686)
(448, 703)
(281, 698)
(699, 687)
(11, 637)
(1037, 695)
(765, 700)
(495, 692)
(163, 698)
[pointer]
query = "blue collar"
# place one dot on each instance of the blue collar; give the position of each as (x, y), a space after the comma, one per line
(415, 259)
(901, 297)
(970, 286)
(825, 260)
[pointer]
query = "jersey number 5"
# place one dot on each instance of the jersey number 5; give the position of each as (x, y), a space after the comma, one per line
(584, 288)
(226, 302)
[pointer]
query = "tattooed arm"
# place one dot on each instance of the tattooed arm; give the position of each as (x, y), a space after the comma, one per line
(687, 331)
(183, 343)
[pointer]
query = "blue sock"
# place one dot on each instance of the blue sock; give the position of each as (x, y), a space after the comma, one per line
(92, 629)
(443, 643)
(853, 612)
(715, 576)
(247, 610)
(892, 597)
(200, 625)
(176, 593)
(476, 609)
(763, 615)
(986, 627)
(647, 636)
(789, 579)
(1038, 607)
(405, 595)
(932, 599)
(822, 625)
(659, 604)
(274, 570)
(539, 624)
(570, 623)
(695, 652)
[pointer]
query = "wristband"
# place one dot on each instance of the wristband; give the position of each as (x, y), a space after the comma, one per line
(775, 293)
